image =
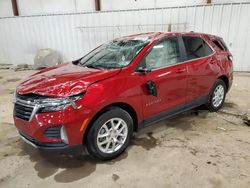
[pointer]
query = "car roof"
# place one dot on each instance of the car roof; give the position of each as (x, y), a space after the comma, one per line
(142, 36)
(151, 36)
(191, 33)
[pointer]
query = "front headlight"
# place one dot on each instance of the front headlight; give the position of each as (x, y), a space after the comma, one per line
(57, 104)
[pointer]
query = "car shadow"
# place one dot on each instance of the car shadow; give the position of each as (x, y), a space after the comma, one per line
(64, 168)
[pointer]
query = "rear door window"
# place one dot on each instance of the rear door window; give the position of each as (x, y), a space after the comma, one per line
(196, 47)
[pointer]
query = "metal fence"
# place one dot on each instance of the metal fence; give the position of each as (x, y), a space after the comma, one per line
(73, 35)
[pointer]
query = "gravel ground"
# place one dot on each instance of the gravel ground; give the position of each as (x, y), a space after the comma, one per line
(194, 149)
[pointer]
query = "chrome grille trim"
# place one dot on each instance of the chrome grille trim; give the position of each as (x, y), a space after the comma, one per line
(25, 103)
(24, 115)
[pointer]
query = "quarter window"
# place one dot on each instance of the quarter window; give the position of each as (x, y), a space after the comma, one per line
(218, 44)
(223, 44)
(196, 47)
(162, 54)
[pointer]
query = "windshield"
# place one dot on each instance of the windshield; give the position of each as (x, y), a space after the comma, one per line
(115, 54)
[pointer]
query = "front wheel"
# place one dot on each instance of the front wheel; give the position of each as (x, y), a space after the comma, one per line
(217, 96)
(110, 134)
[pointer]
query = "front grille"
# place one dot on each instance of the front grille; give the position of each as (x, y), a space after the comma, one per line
(53, 132)
(24, 105)
(22, 112)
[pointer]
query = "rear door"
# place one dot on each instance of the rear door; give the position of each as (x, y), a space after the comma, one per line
(168, 77)
(200, 61)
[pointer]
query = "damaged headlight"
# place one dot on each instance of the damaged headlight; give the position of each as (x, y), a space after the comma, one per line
(57, 104)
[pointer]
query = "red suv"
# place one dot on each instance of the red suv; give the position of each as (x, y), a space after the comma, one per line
(120, 87)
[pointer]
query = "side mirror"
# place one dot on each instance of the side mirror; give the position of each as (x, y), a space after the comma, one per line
(143, 70)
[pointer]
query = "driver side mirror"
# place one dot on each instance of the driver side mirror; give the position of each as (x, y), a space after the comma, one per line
(143, 70)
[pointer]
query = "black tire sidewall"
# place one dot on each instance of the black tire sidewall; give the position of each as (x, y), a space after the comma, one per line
(210, 104)
(95, 127)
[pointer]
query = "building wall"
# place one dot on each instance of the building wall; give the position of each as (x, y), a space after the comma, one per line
(137, 4)
(230, 1)
(85, 5)
(6, 8)
(73, 35)
(34, 7)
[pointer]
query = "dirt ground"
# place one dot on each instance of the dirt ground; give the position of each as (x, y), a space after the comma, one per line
(190, 150)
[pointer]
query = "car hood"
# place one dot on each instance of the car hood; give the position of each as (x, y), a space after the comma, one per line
(63, 80)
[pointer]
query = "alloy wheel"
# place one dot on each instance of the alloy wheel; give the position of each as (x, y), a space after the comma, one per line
(112, 135)
(218, 96)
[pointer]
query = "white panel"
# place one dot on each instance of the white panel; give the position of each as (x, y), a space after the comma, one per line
(85, 5)
(229, 1)
(29, 7)
(73, 35)
(172, 3)
(6, 8)
(58, 6)
(34, 7)
(126, 4)
(140, 4)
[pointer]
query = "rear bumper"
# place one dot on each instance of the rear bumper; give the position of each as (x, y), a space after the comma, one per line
(55, 147)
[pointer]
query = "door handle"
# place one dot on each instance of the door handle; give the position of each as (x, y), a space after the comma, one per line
(181, 70)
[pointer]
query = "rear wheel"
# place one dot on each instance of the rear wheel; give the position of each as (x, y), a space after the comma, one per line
(110, 134)
(217, 96)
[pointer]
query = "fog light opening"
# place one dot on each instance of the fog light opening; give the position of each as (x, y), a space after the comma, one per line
(64, 136)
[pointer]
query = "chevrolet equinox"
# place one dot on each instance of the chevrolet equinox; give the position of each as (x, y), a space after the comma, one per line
(99, 100)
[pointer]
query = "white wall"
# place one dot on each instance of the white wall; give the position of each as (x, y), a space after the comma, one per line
(140, 4)
(34, 7)
(73, 35)
(137, 4)
(6, 8)
(85, 5)
(229, 1)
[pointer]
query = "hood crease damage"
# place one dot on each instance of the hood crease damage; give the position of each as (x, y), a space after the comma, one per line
(54, 81)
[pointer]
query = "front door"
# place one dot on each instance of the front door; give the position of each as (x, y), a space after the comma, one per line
(166, 83)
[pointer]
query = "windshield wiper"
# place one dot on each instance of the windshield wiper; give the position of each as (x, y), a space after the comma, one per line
(93, 66)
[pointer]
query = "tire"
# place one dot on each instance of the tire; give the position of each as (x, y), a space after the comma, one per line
(212, 105)
(102, 126)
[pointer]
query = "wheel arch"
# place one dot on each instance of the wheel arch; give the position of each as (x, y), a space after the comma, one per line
(225, 80)
(125, 106)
